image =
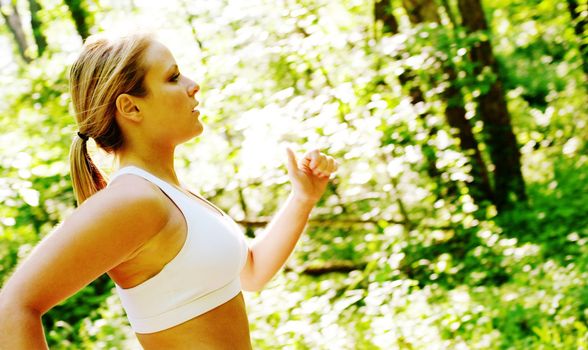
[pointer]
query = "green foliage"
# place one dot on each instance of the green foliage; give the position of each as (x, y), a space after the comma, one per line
(433, 269)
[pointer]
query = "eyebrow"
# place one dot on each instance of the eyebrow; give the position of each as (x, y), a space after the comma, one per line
(172, 68)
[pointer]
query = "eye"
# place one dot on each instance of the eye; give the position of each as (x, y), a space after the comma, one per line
(175, 77)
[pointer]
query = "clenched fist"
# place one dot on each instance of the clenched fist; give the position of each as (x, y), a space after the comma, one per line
(310, 175)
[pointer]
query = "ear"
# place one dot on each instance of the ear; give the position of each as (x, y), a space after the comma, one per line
(127, 108)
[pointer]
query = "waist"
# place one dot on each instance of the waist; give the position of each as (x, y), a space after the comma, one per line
(224, 327)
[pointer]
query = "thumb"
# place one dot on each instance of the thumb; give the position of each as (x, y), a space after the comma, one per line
(292, 163)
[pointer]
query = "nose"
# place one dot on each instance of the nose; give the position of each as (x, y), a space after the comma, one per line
(193, 88)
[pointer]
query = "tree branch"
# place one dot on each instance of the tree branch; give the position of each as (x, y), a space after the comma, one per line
(334, 222)
(329, 267)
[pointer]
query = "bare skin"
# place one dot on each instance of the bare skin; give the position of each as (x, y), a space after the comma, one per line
(130, 230)
(224, 327)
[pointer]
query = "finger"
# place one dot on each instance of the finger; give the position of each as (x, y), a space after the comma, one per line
(305, 163)
(321, 169)
(328, 168)
(332, 165)
(321, 163)
(314, 158)
(292, 164)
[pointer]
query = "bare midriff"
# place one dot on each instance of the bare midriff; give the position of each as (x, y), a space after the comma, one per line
(224, 327)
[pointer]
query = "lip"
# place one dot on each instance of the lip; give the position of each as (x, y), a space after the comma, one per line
(194, 110)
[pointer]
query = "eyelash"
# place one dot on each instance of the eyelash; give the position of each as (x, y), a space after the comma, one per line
(175, 78)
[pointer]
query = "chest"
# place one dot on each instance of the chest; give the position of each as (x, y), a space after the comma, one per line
(196, 243)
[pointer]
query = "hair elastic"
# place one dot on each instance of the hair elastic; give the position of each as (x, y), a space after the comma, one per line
(83, 136)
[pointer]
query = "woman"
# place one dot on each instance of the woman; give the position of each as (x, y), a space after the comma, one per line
(179, 263)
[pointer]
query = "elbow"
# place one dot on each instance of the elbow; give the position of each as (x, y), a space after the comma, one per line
(11, 305)
(16, 315)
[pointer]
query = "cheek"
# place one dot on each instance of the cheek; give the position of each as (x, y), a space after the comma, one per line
(178, 100)
(171, 102)
(171, 96)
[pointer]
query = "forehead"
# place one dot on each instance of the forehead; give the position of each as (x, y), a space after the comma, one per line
(158, 59)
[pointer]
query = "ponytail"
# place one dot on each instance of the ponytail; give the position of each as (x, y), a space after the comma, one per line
(85, 175)
(105, 69)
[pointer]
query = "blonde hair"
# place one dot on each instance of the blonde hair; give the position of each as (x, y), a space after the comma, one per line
(104, 69)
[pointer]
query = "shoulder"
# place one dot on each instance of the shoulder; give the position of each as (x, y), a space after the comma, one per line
(128, 200)
(131, 189)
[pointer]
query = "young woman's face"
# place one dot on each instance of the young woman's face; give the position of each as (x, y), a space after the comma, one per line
(169, 110)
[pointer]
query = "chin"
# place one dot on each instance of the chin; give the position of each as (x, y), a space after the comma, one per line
(197, 131)
(187, 138)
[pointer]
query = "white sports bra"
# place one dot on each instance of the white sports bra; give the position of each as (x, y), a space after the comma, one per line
(203, 275)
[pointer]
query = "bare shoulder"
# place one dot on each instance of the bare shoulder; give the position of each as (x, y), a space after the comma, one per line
(129, 198)
(130, 189)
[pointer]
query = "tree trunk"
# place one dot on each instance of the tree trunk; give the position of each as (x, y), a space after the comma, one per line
(500, 138)
(383, 13)
(14, 24)
(81, 16)
(580, 20)
(423, 11)
(40, 38)
(455, 114)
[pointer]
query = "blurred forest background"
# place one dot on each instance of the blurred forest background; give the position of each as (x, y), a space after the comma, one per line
(458, 217)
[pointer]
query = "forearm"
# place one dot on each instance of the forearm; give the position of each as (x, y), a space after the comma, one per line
(21, 328)
(271, 250)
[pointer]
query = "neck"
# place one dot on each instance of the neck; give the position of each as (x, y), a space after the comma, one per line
(156, 160)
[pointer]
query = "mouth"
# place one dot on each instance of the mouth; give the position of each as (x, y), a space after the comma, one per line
(195, 106)
(194, 110)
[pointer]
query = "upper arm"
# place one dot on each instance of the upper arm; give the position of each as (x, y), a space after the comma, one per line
(247, 275)
(98, 236)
